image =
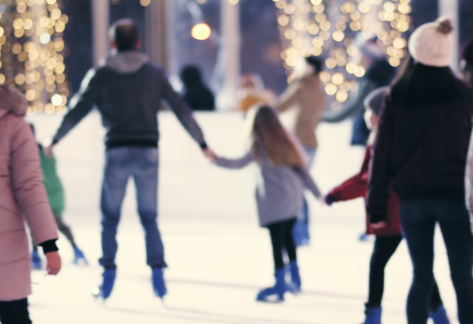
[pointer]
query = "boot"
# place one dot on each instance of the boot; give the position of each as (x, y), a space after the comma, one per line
(373, 315)
(439, 316)
(295, 285)
(79, 256)
(159, 285)
(105, 290)
(36, 262)
(277, 290)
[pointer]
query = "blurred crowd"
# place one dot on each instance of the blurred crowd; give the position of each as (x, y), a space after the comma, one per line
(417, 173)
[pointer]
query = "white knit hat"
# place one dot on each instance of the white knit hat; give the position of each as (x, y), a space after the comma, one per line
(431, 44)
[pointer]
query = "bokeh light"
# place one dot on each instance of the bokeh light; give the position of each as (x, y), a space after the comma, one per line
(201, 31)
(335, 29)
(32, 44)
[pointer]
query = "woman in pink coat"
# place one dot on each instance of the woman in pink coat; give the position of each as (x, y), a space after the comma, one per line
(23, 200)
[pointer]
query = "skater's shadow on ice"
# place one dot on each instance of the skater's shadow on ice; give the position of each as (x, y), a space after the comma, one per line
(237, 318)
(206, 317)
(255, 288)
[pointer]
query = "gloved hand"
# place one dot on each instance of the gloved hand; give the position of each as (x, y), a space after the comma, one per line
(329, 199)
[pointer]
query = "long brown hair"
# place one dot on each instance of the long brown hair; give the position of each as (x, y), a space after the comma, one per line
(280, 148)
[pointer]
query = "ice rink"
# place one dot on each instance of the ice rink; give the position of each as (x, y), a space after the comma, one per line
(218, 256)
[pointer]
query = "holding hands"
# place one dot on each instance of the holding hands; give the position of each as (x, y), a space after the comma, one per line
(210, 154)
(328, 200)
(49, 150)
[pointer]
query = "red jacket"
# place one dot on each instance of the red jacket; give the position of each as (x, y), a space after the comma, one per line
(357, 187)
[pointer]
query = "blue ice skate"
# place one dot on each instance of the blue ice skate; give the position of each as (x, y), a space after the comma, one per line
(373, 315)
(363, 237)
(79, 257)
(159, 285)
(440, 316)
(295, 285)
(278, 290)
(105, 290)
(36, 262)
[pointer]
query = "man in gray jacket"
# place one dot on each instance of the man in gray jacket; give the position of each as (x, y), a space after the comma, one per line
(128, 90)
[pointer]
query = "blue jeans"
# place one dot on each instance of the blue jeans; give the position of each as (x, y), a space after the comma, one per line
(419, 218)
(140, 163)
(301, 228)
(360, 132)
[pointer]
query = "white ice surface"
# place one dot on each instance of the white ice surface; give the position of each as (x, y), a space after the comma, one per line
(218, 257)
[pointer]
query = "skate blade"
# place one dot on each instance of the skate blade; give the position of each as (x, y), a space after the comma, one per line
(294, 291)
(98, 298)
(272, 299)
(267, 301)
(80, 262)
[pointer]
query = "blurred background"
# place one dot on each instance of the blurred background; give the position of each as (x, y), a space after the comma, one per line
(218, 257)
(224, 38)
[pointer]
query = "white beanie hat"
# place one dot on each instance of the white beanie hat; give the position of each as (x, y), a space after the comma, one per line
(431, 44)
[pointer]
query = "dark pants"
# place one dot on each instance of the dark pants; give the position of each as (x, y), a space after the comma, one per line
(141, 164)
(282, 241)
(419, 219)
(384, 248)
(360, 132)
(14, 312)
(64, 229)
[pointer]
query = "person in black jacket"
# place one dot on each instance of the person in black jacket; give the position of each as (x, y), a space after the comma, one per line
(197, 95)
(420, 152)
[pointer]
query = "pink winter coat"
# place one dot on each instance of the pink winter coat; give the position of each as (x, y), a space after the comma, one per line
(22, 197)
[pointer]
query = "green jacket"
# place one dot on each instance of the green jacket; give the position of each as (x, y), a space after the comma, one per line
(52, 183)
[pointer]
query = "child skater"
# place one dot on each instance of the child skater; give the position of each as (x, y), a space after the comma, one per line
(388, 237)
(55, 192)
(23, 201)
(279, 195)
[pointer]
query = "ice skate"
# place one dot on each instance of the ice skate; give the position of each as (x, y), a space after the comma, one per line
(277, 291)
(79, 257)
(159, 285)
(440, 316)
(373, 315)
(295, 285)
(36, 262)
(105, 290)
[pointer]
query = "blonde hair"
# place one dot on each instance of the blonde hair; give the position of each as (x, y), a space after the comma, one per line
(280, 148)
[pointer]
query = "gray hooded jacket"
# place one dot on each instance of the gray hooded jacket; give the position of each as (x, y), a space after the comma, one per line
(128, 91)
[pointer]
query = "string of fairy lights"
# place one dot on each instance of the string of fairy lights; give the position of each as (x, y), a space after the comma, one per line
(332, 29)
(32, 52)
(32, 47)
